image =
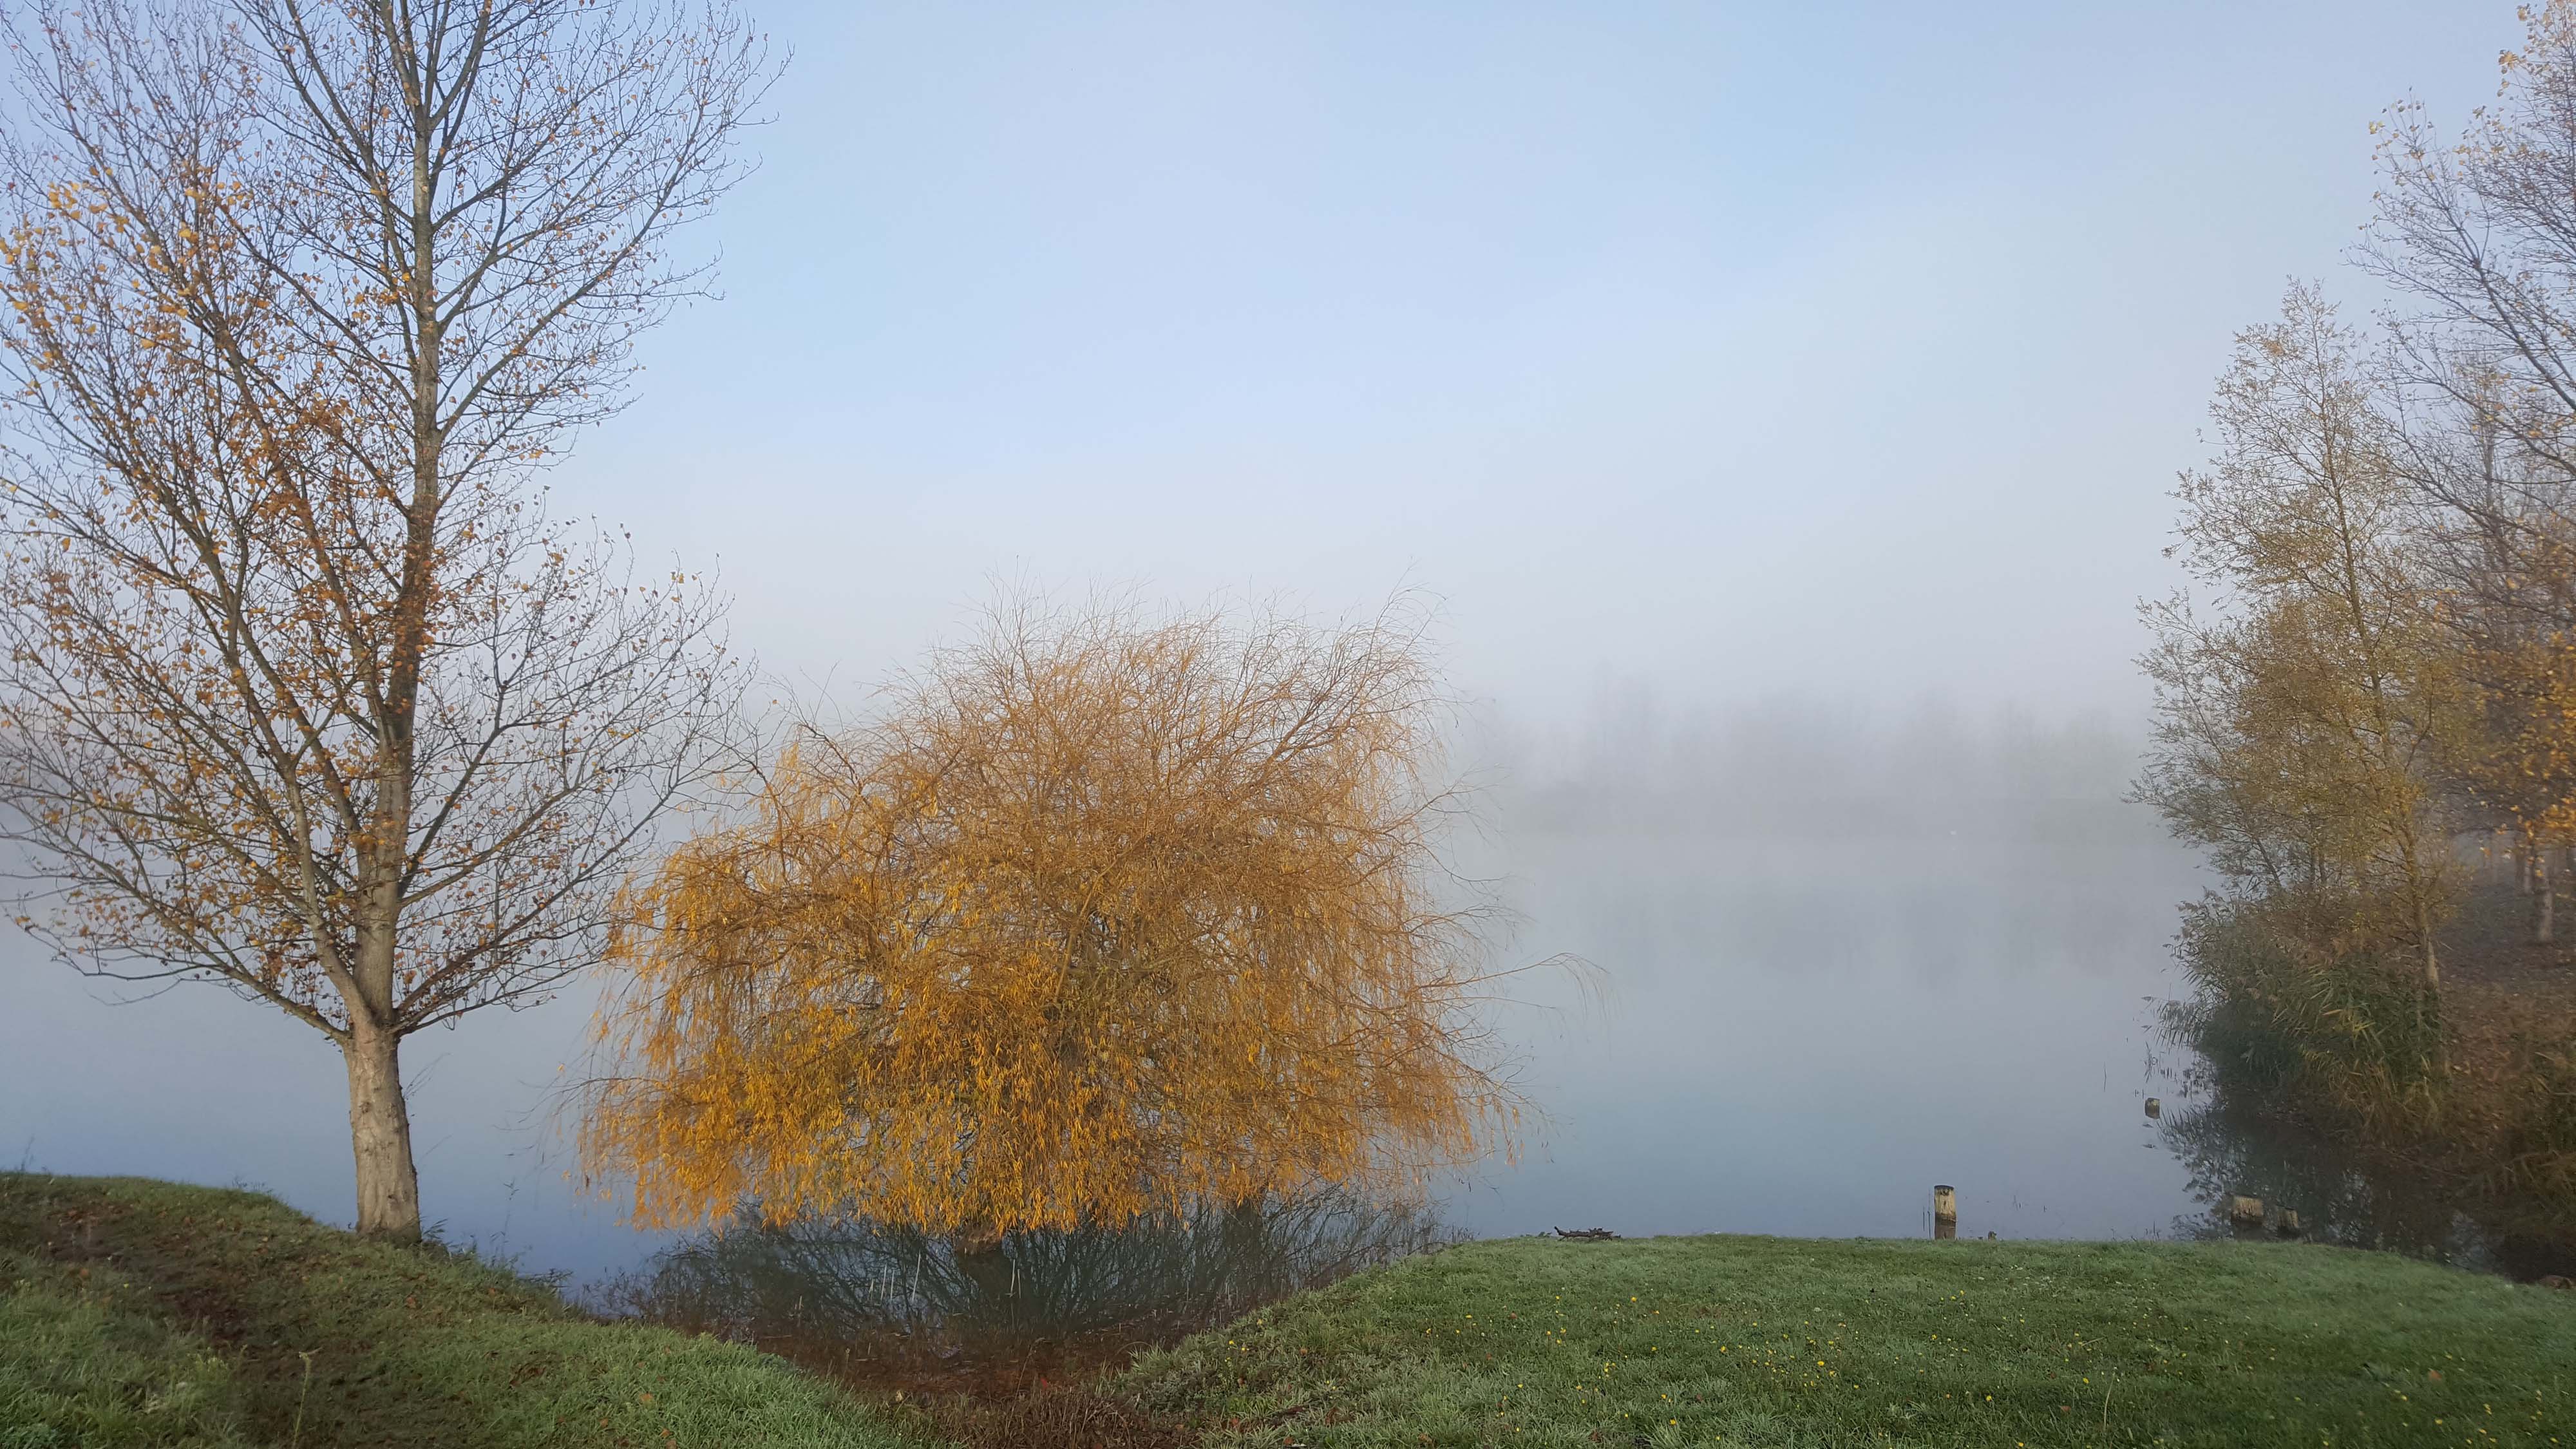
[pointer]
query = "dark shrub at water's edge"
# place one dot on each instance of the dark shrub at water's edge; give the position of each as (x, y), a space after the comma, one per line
(2290, 998)
(2440, 1123)
(882, 1303)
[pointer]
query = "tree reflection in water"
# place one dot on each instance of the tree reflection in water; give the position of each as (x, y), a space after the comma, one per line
(884, 1303)
(2231, 1145)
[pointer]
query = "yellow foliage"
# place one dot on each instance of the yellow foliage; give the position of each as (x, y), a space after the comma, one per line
(2303, 727)
(1103, 915)
(2525, 761)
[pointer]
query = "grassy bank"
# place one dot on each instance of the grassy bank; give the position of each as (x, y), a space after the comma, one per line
(1773, 1343)
(140, 1313)
(146, 1313)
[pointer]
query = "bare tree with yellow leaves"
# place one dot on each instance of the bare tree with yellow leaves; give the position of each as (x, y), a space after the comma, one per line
(2476, 232)
(302, 691)
(1104, 915)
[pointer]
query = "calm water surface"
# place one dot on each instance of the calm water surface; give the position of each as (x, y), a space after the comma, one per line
(1804, 1035)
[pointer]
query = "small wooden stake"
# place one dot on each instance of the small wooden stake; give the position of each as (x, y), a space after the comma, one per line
(2155, 1107)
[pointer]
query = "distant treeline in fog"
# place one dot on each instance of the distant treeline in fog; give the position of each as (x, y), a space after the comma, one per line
(1809, 766)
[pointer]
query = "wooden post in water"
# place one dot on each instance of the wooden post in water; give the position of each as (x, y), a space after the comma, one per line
(2155, 1107)
(1945, 1210)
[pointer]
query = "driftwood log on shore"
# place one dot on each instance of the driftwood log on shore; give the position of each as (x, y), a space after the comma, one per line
(1587, 1235)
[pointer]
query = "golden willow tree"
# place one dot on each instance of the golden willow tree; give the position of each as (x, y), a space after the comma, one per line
(1103, 916)
(2302, 727)
(304, 691)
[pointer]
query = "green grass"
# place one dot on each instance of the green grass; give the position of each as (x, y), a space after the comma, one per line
(84, 1360)
(141, 1313)
(137, 1313)
(1771, 1343)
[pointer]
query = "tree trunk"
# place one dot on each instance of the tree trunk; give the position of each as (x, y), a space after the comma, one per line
(380, 1134)
(2522, 865)
(2544, 921)
(992, 1279)
(1249, 1271)
(2424, 937)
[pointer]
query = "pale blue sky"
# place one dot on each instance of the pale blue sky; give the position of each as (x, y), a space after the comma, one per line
(1842, 348)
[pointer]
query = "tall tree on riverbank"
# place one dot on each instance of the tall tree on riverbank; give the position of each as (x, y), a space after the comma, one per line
(1106, 915)
(2328, 727)
(2301, 726)
(303, 691)
(2478, 233)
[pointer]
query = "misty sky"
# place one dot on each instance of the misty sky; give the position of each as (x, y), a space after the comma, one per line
(1719, 350)
(1845, 349)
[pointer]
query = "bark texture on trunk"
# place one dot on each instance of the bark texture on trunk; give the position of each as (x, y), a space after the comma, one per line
(2544, 921)
(1253, 1270)
(990, 1275)
(380, 1135)
(2424, 935)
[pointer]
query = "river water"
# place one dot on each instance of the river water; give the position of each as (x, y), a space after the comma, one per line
(1804, 1035)
(1796, 1032)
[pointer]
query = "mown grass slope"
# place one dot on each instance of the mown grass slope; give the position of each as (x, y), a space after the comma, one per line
(1772, 1343)
(137, 1313)
(86, 1359)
